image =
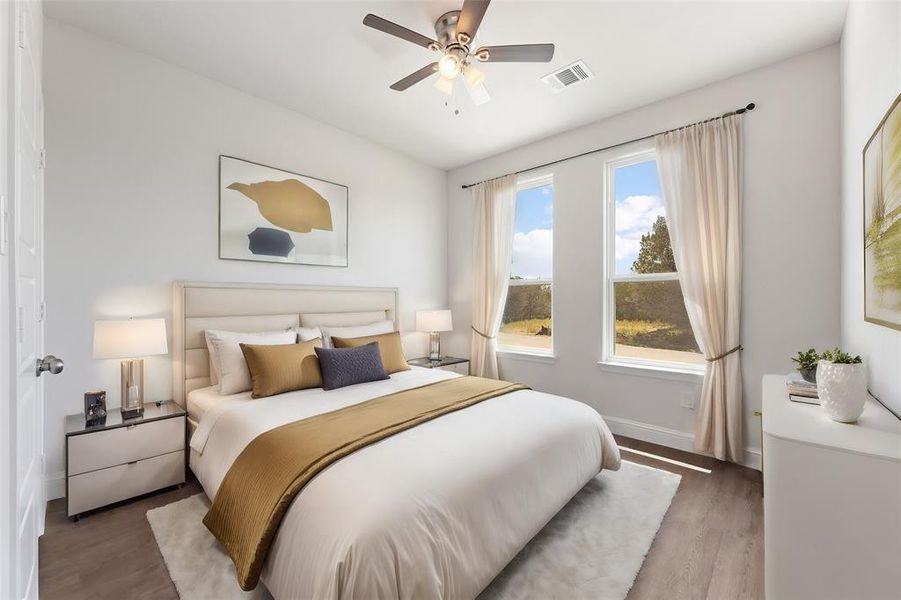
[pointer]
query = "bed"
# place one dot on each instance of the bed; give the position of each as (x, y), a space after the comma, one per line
(435, 511)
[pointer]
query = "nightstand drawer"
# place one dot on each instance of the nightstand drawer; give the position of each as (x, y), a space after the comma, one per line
(461, 368)
(99, 488)
(111, 447)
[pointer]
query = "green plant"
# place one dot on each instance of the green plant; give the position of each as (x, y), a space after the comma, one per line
(840, 357)
(807, 360)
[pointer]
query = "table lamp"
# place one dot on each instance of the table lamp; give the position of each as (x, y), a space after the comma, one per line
(130, 340)
(434, 321)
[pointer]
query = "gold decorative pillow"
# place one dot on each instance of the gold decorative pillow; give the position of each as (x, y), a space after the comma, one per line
(389, 348)
(282, 368)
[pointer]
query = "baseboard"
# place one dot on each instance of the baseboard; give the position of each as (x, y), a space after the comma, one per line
(55, 486)
(671, 438)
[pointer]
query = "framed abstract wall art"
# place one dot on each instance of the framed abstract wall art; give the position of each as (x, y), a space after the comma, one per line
(882, 221)
(271, 215)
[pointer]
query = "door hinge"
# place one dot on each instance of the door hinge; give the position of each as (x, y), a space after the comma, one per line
(42, 312)
(20, 323)
(20, 29)
(43, 159)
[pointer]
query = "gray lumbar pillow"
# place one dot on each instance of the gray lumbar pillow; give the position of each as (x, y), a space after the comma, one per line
(347, 366)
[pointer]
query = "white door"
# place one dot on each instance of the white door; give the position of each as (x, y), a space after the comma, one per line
(26, 278)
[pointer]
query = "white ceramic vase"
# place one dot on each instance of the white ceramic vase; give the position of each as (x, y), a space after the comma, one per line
(842, 389)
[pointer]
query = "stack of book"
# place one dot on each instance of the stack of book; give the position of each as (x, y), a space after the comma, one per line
(801, 390)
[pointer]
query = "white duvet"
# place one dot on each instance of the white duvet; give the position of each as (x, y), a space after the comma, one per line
(435, 511)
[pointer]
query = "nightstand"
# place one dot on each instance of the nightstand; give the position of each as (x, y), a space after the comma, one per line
(123, 458)
(445, 363)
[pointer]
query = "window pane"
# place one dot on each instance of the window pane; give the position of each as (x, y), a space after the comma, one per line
(651, 322)
(527, 317)
(642, 239)
(533, 234)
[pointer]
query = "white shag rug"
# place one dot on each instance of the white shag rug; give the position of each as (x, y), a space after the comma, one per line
(592, 549)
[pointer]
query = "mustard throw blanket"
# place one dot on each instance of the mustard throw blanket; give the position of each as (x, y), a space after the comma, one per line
(267, 475)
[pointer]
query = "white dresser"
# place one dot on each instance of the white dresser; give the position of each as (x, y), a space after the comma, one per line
(120, 459)
(832, 501)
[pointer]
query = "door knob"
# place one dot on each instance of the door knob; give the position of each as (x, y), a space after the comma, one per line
(48, 363)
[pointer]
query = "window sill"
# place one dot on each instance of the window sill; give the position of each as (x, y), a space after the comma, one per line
(529, 355)
(657, 372)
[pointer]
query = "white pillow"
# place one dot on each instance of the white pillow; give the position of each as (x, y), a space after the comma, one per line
(305, 334)
(354, 331)
(228, 360)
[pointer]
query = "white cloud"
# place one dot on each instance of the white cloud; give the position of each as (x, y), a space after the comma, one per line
(533, 253)
(638, 213)
(626, 248)
(635, 216)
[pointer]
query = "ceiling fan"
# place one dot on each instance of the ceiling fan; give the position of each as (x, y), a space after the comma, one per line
(455, 31)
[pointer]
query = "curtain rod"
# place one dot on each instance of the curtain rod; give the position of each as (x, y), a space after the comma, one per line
(738, 111)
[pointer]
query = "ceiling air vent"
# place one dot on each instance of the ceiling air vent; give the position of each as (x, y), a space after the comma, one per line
(567, 76)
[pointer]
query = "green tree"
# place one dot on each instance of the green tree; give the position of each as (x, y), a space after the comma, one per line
(655, 254)
(526, 302)
(655, 301)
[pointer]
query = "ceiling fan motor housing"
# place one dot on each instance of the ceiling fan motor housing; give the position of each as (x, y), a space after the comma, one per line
(446, 28)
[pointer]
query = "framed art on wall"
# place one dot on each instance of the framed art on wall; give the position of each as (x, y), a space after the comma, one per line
(270, 215)
(882, 221)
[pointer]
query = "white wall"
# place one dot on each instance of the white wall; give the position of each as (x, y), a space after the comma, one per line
(132, 204)
(9, 427)
(791, 242)
(871, 80)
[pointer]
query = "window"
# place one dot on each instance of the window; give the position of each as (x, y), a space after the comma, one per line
(527, 323)
(645, 313)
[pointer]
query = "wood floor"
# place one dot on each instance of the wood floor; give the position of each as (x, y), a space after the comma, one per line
(709, 546)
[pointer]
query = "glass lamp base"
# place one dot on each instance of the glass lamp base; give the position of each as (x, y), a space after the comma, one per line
(434, 346)
(132, 399)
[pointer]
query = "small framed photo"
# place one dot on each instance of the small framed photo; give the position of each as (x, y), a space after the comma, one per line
(95, 407)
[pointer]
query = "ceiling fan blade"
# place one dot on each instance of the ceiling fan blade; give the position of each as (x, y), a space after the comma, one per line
(471, 18)
(521, 53)
(396, 30)
(415, 77)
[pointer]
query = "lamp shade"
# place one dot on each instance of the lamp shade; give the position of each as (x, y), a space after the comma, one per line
(434, 320)
(130, 338)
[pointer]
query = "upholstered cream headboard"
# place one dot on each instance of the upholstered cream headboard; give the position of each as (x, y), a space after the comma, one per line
(198, 306)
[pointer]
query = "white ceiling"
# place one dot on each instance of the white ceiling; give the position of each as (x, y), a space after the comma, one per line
(317, 58)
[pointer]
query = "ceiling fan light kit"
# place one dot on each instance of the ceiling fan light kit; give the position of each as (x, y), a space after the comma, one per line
(445, 85)
(449, 65)
(473, 76)
(455, 30)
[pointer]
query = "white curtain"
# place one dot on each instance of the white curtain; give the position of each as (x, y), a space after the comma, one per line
(494, 210)
(700, 176)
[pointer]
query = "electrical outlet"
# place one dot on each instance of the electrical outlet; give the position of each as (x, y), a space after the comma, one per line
(687, 400)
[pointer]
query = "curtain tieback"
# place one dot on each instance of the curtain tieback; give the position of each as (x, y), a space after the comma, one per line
(725, 354)
(487, 337)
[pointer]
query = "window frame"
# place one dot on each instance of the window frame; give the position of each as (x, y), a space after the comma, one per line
(639, 153)
(526, 183)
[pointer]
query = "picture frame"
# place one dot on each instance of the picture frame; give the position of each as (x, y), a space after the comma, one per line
(95, 408)
(268, 214)
(882, 221)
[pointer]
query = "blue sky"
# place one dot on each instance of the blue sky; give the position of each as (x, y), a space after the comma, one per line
(533, 245)
(638, 204)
